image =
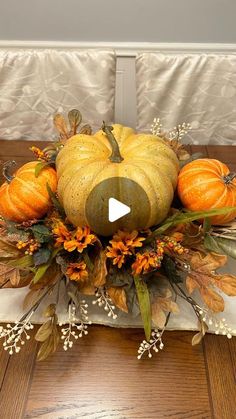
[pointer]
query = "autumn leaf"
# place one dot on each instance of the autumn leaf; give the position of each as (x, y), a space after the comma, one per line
(213, 300)
(99, 273)
(227, 284)
(161, 305)
(31, 298)
(86, 130)
(118, 296)
(8, 250)
(11, 277)
(48, 334)
(61, 126)
(198, 337)
(202, 276)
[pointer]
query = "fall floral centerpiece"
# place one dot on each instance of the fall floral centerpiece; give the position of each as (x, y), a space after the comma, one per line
(53, 241)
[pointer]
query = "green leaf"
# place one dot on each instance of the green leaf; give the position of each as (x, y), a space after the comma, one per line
(40, 272)
(23, 262)
(41, 233)
(144, 304)
(211, 244)
(187, 217)
(42, 269)
(220, 245)
(75, 119)
(206, 225)
(55, 201)
(42, 256)
(40, 166)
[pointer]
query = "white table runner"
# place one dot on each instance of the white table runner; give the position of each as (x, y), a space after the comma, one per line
(11, 309)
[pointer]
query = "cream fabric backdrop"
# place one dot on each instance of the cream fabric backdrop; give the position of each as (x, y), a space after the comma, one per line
(195, 88)
(35, 84)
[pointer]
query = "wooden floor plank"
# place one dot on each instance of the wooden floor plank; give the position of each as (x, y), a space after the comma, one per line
(4, 358)
(102, 378)
(16, 382)
(221, 375)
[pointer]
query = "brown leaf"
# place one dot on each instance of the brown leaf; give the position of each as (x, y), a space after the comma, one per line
(11, 277)
(191, 284)
(61, 126)
(15, 277)
(197, 338)
(50, 310)
(8, 250)
(44, 331)
(86, 289)
(31, 298)
(118, 296)
(158, 315)
(49, 346)
(213, 300)
(208, 263)
(99, 273)
(227, 284)
(86, 129)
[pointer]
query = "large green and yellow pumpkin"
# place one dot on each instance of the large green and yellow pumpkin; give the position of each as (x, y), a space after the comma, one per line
(24, 196)
(139, 170)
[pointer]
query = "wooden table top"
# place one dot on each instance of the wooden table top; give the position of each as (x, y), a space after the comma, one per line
(101, 376)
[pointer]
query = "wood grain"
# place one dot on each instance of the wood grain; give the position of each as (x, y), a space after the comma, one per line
(101, 376)
(17, 380)
(220, 367)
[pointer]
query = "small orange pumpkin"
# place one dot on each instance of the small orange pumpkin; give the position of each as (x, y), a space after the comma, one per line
(206, 184)
(24, 196)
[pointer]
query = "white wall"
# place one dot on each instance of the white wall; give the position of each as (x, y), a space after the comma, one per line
(119, 20)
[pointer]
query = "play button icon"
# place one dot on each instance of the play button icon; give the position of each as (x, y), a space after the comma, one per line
(117, 203)
(117, 209)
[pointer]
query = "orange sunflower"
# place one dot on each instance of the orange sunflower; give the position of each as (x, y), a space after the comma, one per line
(80, 240)
(146, 262)
(61, 233)
(123, 244)
(77, 271)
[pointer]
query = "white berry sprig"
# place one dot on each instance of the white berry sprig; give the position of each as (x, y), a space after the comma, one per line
(15, 335)
(154, 344)
(103, 300)
(77, 324)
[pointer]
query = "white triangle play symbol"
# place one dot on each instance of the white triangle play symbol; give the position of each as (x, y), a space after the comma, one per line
(116, 209)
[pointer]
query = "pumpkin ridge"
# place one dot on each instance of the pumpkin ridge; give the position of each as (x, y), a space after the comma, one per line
(153, 163)
(219, 165)
(158, 195)
(204, 182)
(75, 173)
(32, 189)
(18, 203)
(194, 170)
(18, 213)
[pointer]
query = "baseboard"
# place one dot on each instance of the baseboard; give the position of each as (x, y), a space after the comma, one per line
(125, 49)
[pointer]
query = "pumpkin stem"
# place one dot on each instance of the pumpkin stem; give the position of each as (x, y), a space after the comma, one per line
(115, 156)
(5, 171)
(228, 178)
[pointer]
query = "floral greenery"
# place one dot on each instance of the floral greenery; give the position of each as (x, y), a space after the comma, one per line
(138, 272)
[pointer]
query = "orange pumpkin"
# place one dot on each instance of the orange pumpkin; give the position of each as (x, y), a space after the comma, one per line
(24, 196)
(206, 184)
